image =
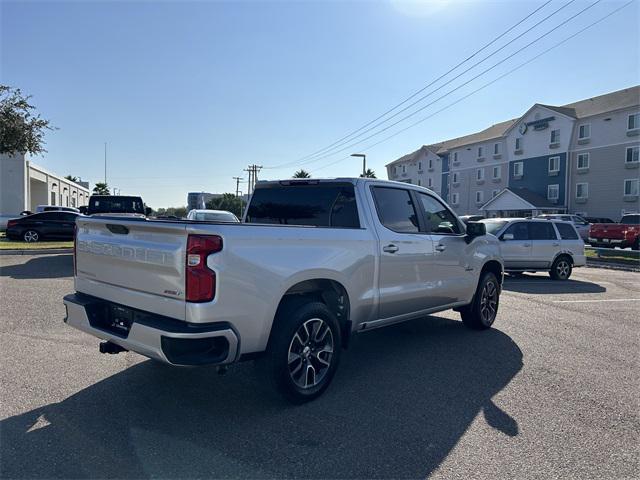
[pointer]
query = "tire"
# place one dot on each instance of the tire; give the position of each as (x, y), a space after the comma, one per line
(483, 309)
(636, 244)
(31, 236)
(561, 268)
(303, 351)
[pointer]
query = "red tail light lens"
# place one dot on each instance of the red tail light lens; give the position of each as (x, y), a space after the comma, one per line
(200, 280)
(11, 223)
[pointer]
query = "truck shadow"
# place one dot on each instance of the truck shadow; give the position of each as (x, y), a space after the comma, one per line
(536, 284)
(402, 399)
(44, 266)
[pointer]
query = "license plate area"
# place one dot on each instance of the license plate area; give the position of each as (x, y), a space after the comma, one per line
(112, 318)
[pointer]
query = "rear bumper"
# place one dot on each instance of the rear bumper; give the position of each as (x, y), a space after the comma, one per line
(579, 260)
(608, 242)
(165, 339)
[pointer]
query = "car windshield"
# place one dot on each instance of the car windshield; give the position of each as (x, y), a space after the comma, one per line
(493, 226)
(215, 217)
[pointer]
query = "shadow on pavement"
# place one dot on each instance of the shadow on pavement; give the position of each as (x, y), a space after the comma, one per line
(44, 266)
(545, 285)
(400, 402)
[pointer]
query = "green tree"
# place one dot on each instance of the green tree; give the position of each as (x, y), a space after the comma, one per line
(101, 188)
(21, 127)
(302, 174)
(72, 178)
(368, 174)
(228, 202)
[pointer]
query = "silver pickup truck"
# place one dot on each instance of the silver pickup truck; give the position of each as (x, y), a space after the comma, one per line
(312, 263)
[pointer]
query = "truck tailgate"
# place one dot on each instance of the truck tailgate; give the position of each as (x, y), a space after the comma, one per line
(607, 230)
(133, 262)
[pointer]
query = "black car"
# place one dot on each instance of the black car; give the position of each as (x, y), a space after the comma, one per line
(40, 226)
(598, 220)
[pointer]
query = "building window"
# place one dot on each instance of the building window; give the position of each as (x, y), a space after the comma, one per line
(420, 166)
(584, 132)
(555, 136)
(430, 182)
(496, 172)
(554, 164)
(455, 177)
(419, 182)
(494, 193)
(479, 196)
(496, 149)
(454, 198)
(455, 156)
(431, 163)
(480, 149)
(583, 161)
(582, 190)
(518, 143)
(480, 174)
(518, 169)
(633, 155)
(53, 198)
(631, 187)
(633, 121)
(404, 169)
(553, 192)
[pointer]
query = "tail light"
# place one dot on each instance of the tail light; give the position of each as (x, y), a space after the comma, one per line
(75, 250)
(200, 280)
(11, 223)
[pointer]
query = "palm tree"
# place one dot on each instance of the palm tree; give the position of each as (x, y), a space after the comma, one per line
(368, 174)
(101, 188)
(302, 174)
(72, 178)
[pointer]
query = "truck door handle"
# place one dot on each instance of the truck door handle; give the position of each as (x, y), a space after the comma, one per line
(441, 248)
(391, 248)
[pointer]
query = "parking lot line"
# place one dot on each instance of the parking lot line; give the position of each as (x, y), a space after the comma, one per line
(599, 300)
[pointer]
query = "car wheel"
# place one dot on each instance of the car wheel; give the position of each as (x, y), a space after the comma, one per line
(304, 351)
(31, 236)
(482, 311)
(636, 244)
(561, 268)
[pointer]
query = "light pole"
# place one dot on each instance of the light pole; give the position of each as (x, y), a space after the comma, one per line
(364, 161)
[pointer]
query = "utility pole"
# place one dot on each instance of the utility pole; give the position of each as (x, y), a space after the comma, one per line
(364, 161)
(253, 177)
(105, 163)
(237, 179)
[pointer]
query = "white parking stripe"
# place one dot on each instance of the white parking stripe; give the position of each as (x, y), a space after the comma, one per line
(602, 300)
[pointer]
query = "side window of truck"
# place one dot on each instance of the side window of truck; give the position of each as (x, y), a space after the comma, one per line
(438, 218)
(396, 210)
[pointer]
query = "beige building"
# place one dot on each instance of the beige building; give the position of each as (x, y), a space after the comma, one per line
(24, 186)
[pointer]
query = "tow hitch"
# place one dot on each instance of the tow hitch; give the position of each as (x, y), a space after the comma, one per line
(111, 348)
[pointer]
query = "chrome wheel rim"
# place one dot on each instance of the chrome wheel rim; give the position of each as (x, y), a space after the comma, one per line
(563, 269)
(31, 236)
(489, 302)
(310, 353)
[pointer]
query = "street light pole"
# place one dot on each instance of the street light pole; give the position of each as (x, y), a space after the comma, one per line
(364, 161)
(105, 163)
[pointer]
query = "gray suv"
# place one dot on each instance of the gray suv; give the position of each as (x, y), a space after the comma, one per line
(532, 245)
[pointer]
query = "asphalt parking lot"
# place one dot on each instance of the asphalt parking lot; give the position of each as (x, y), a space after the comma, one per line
(551, 391)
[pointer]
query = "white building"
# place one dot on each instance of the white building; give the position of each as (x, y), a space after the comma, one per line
(24, 186)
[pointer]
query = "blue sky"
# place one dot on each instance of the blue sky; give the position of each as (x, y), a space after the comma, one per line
(187, 94)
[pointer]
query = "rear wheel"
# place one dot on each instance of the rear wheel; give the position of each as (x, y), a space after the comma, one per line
(561, 268)
(481, 312)
(31, 236)
(636, 244)
(304, 351)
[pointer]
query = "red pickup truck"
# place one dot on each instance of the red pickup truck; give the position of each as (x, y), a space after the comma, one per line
(624, 234)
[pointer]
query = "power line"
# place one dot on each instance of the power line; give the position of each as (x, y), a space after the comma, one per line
(436, 80)
(483, 86)
(350, 146)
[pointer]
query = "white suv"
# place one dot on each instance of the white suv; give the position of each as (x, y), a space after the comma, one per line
(582, 226)
(531, 245)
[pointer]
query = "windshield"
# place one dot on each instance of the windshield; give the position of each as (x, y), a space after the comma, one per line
(493, 226)
(215, 217)
(116, 205)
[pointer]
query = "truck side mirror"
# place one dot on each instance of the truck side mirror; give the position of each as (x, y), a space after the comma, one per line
(507, 236)
(475, 229)
(148, 211)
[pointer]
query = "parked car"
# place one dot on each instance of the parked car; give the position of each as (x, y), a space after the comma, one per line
(593, 220)
(42, 226)
(212, 216)
(532, 245)
(313, 262)
(55, 208)
(581, 225)
(624, 234)
(117, 205)
(471, 218)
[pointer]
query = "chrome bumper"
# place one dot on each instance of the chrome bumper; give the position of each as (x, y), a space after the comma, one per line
(172, 342)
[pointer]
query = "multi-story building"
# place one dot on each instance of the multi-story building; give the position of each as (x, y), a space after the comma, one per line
(581, 158)
(196, 200)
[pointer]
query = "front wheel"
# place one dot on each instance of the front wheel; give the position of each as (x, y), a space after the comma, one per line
(31, 236)
(561, 268)
(304, 351)
(481, 312)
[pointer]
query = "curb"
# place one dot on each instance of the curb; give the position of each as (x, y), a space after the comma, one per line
(36, 251)
(612, 265)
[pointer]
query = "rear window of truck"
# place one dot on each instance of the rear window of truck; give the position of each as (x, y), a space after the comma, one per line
(318, 205)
